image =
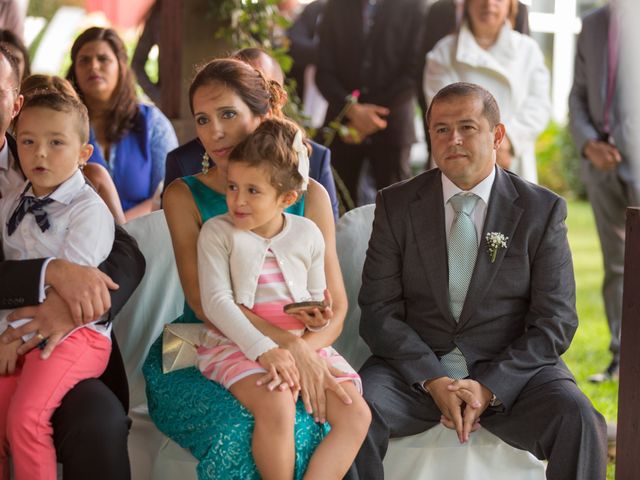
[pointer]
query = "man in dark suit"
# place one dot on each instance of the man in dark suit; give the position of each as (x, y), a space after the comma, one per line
(372, 46)
(187, 159)
(468, 301)
(303, 38)
(91, 425)
(604, 125)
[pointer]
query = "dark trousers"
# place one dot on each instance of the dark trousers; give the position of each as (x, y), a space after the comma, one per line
(610, 196)
(389, 163)
(554, 421)
(90, 434)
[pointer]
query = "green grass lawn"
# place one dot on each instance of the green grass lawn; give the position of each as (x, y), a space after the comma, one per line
(589, 351)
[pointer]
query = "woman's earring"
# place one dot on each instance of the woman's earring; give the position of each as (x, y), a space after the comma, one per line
(205, 163)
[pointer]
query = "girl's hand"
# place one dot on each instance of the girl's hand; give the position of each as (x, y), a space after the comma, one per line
(315, 318)
(281, 370)
(9, 357)
(315, 378)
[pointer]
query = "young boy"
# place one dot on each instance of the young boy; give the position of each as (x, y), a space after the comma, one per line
(54, 214)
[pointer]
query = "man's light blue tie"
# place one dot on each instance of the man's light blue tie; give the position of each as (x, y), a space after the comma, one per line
(463, 250)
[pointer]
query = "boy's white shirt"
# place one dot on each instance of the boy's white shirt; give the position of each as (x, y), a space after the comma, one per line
(82, 231)
(229, 265)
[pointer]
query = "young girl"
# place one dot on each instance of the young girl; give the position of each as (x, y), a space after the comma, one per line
(55, 213)
(259, 258)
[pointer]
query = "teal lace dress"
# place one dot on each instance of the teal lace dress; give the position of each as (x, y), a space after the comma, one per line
(202, 416)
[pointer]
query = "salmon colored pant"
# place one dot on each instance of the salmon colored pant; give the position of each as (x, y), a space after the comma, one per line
(29, 397)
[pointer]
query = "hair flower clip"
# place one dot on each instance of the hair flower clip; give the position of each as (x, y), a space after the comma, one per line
(303, 158)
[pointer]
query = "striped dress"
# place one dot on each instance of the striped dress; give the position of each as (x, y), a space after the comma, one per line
(221, 360)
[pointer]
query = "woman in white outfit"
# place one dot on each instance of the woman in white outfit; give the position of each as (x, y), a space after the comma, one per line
(487, 51)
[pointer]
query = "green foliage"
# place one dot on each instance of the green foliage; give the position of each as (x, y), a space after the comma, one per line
(252, 23)
(589, 353)
(559, 162)
(47, 8)
(258, 23)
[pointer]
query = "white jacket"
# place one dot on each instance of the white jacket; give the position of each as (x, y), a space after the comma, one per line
(513, 70)
(230, 261)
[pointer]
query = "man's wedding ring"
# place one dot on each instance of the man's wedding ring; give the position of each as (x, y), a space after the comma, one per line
(43, 340)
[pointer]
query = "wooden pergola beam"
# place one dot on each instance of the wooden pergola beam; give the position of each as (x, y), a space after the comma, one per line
(170, 61)
(628, 439)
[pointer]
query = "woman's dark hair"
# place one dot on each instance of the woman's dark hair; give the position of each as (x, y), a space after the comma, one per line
(259, 94)
(270, 146)
(124, 111)
(7, 37)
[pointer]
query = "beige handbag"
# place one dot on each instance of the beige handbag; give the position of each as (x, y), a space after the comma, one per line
(179, 343)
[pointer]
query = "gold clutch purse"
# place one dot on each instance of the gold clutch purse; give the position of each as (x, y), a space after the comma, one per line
(179, 343)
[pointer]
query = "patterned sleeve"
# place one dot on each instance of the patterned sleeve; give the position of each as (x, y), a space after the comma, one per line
(163, 140)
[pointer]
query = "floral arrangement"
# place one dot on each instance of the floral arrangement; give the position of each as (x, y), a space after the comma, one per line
(495, 241)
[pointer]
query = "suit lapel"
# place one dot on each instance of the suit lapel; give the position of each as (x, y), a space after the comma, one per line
(502, 217)
(427, 218)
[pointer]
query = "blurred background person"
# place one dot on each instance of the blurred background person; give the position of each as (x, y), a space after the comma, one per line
(373, 47)
(11, 17)
(487, 51)
(131, 139)
(16, 47)
(604, 125)
(303, 46)
(443, 18)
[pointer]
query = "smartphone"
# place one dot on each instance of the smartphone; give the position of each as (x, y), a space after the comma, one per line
(298, 307)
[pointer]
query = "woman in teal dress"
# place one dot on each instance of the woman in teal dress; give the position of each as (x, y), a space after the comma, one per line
(229, 99)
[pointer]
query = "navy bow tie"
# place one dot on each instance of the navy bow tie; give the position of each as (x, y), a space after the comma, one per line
(29, 204)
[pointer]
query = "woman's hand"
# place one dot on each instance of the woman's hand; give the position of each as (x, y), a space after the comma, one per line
(9, 357)
(281, 370)
(315, 377)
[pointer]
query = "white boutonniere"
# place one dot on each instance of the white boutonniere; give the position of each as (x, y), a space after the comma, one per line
(495, 241)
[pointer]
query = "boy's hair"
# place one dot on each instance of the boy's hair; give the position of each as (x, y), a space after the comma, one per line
(55, 93)
(271, 146)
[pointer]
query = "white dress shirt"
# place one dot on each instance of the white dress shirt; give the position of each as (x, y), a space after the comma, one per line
(479, 213)
(81, 230)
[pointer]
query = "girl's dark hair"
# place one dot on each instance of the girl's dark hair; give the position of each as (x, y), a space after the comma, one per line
(124, 112)
(270, 146)
(259, 94)
(12, 40)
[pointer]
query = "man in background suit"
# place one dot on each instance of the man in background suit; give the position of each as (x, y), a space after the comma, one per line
(372, 46)
(187, 159)
(604, 126)
(90, 427)
(462, 334)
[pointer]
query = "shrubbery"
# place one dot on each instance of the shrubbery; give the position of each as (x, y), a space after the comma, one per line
(559, 162)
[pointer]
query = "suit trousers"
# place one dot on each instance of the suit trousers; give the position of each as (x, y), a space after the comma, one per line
(554, 421)
(610, 196)
(389, 163)
(90, 430)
